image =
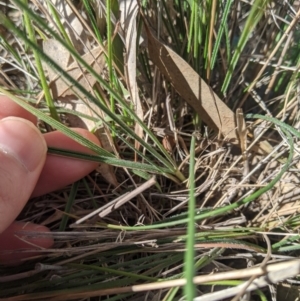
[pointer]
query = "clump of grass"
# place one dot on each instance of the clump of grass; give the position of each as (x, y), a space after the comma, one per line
(214, 208)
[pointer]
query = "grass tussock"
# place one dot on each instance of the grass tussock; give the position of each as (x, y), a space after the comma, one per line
(176, 210)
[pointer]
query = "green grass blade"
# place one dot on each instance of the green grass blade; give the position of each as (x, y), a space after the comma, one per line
(223, 26)
(42, 76)
(193, 21)
(91, 17)
(285, 243)
(59, 24)
(110, 160)
(189, 264)
(70, 202)
(110, 58)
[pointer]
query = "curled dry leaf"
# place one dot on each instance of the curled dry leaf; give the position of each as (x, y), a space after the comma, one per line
(211, 109)
(168, 143)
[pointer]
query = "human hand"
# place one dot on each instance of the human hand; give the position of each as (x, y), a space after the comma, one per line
(27, 171)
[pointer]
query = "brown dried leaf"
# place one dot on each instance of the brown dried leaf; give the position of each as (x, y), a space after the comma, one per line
(213, 111)
(57, 52)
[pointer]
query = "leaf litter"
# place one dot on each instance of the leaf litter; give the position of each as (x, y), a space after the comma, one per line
(220, 177)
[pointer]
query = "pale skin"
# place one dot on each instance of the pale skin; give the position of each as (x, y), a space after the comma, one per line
(26, 170)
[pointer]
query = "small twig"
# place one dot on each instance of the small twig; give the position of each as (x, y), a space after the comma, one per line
(111, 203)
(129, 196)
(108, 208)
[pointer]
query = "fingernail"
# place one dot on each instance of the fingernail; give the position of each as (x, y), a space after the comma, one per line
(20, 139)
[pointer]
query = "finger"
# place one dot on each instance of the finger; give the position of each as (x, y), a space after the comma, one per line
(10, 108)
(14, 239)
(22, 156)
(59, 172)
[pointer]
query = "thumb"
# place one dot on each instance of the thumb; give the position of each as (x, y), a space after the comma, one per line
(22, 156)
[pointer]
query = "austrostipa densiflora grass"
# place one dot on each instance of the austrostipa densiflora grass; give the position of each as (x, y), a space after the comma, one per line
(222, 212)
